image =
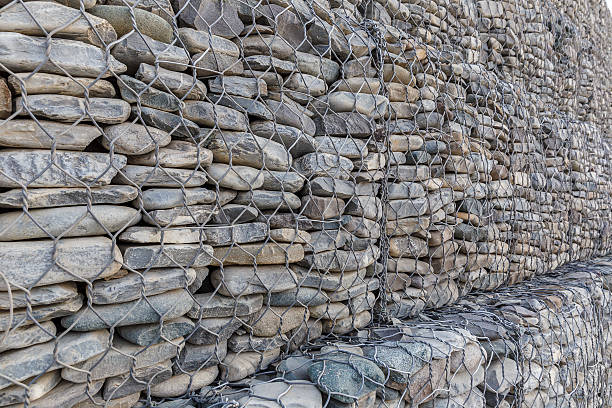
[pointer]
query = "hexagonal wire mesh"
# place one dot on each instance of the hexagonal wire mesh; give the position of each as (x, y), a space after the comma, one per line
(224, 203)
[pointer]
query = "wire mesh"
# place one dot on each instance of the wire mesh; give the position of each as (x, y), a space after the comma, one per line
(244, 203)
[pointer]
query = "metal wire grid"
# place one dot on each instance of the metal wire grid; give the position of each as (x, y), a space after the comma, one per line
(193, 190)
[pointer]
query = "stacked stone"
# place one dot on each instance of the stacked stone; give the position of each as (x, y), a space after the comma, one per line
(70, 178)
(420, 366)
(542, 344)
(543, 338)
(340, 205)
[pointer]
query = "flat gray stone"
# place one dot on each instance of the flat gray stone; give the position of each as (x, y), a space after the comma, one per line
(76, 221)
(235, 177)
(246, 149)
(234, 214)
(245, 343)
(138, 380)
(145, 176)
(323, 165)
(251, 107)
(214, 329)
(211, 16)
(122, 357)
(138, 48)
(134, 91)
(174, 125)
(175, 255)
(64, 108)
(239, 233)
(293, 139)
(215, 116)
(154, 235)
(67, 394)
(341, 260)
(199, 41)
(72, 348)
(345, 377)
(169, 304)
(60, 197)
(163, 198)
(239, 86)
(197, 357)
(38, 263)
(291, 116)
(344, 123)
(300, 296)
(43, 295)
(185, 215)
(176, 154)
(267, 200)
(405, 190)
(147, 334)
(181, 85)
(125, 19)
(41, 83)
(72, 169)
(25, 336)
(287, 181)
(210, 305)
(40, 18)
(343, 146)
(132, 285)
(37, 388)
(331, 187)
(22, 317)
(20, 53)
(265, 62)
(27, 133)
(181, 384)
(245, 280)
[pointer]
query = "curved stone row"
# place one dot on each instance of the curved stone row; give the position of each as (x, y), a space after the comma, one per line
(544, 343)
(191, 189)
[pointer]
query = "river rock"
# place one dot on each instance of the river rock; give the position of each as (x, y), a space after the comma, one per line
(66, 221)
(139, 48)
(246, 280)
(157, 256)
(249, 150)
(211, 305)
(153, 333)
(260, 254)
(345, 377)
(175, 125)
(180, 384)
(71, 348)
(125, 19)
(59, 197)
(64, 108)
(25, 336)
(144, 176)
(41, 83)
(29, 134)
(38, 18)
(38, 263)
(169, 304)
(215, 116)
(20, 53)
(240, 178)
(133, 285)
(176, 154)
(179, 84)
(37, 388)
(120, 359)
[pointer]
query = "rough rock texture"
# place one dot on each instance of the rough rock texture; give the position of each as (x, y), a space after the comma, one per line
(193, 190)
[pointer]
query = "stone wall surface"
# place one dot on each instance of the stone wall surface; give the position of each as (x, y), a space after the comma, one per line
(305, 203)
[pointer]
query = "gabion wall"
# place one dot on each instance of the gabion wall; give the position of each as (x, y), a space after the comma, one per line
(227, 203)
